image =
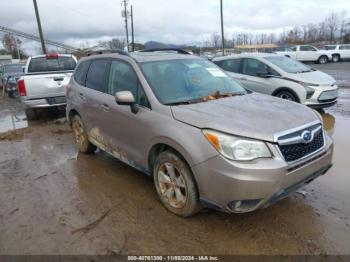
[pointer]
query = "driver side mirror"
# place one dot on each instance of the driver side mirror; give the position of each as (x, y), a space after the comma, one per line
(126, 98)
(263, 74)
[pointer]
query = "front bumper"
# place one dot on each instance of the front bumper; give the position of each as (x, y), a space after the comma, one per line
(225, 184)
(323, 97)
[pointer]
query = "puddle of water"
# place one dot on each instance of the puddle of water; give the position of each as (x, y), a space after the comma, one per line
(337, 179)
(10, 120)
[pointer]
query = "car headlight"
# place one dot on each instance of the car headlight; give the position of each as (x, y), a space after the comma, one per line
(236, 148)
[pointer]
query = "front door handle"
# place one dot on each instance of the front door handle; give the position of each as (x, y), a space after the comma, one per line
(58, 79)
(243, 78)
(105, 107)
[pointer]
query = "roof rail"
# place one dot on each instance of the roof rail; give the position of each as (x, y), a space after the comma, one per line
(178, 50)
(108, 51)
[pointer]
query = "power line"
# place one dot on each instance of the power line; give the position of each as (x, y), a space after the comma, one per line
(36, 38)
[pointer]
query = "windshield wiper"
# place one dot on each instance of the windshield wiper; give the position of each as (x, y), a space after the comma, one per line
(187, 102)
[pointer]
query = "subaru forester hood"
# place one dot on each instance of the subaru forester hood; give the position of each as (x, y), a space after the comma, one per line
(313, 77)
(255, 115)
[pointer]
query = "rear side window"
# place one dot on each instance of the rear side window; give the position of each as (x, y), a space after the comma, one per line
(43, 64)
(80, 72)
(231, 65)
(344, 47)
(97, 75)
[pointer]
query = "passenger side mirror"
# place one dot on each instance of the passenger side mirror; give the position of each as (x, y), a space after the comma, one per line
(126, 98)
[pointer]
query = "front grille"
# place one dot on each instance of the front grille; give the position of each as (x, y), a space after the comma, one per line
(297, 151)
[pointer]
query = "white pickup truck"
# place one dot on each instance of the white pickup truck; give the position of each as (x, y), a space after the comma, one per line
(338, 52)
(306, 53)
(43, 82)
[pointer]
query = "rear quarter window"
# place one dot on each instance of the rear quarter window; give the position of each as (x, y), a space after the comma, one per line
(43, 64)
(80, 72)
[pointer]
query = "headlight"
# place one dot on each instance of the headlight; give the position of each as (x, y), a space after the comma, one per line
(236, 148)
(309, 92)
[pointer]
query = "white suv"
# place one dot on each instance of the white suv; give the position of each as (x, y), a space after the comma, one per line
(282, 77)
(338, 52)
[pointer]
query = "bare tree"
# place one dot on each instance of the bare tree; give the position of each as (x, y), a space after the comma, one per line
(215, 39)
(332, 23)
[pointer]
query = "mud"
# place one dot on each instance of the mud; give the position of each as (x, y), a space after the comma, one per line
(54, 200)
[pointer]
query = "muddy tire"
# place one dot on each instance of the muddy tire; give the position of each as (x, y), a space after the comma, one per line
(286, 95)
(80, 136)
(30, 114)
(322, 60)
(175, 184)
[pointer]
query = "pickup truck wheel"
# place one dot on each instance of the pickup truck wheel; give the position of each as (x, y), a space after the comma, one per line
(286, 95)
(30, 114)
(335, 58)
(175, 184)
(323, 60)
(80, 136)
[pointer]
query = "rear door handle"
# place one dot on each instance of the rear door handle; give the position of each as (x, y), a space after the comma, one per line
(81, 96)
(105, 107)
(58, 79)
(243, 78)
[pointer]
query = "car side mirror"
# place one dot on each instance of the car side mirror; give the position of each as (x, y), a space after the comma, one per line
(126, 98)
(263, 74)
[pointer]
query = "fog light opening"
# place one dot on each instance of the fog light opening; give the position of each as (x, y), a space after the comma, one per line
(241, 206)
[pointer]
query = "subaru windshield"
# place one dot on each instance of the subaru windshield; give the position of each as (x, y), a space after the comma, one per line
(186, 81)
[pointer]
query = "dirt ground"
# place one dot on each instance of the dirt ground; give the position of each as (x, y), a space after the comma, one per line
(54, 200)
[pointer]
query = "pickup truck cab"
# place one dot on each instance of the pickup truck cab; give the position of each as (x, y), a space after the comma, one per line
(43, 82)
(338, 52)
(306, 53)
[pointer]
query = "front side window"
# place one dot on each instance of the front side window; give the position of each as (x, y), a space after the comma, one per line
(307, 48)
(288, 65)
(122, 77)
(188, 80)
(344, 47)
(97, 75)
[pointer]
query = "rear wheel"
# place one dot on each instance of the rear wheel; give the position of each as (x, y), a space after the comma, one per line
(175, 184)
(80, 136)
(31, 114)
(287, 95)
(323, 60)
(335, 58)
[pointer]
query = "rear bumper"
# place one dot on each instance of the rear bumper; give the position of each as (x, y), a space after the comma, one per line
(42, 102)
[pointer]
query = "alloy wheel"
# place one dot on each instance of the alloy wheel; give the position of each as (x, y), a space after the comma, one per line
(172, 185)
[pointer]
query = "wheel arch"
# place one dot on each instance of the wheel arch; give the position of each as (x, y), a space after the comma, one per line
(160, 147)
(71, 114)
(280, 89)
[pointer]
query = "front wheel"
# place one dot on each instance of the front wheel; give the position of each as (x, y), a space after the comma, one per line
(175, 184)
(323, 60)
(286, 95)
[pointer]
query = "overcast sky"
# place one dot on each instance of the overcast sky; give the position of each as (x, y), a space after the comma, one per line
(178, 21)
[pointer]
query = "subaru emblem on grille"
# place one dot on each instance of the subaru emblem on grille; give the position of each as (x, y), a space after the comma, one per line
(307, 136)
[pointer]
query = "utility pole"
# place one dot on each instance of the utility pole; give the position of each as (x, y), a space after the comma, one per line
(125, 15)
(132, 30)
(222, 29)
(39, 27)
